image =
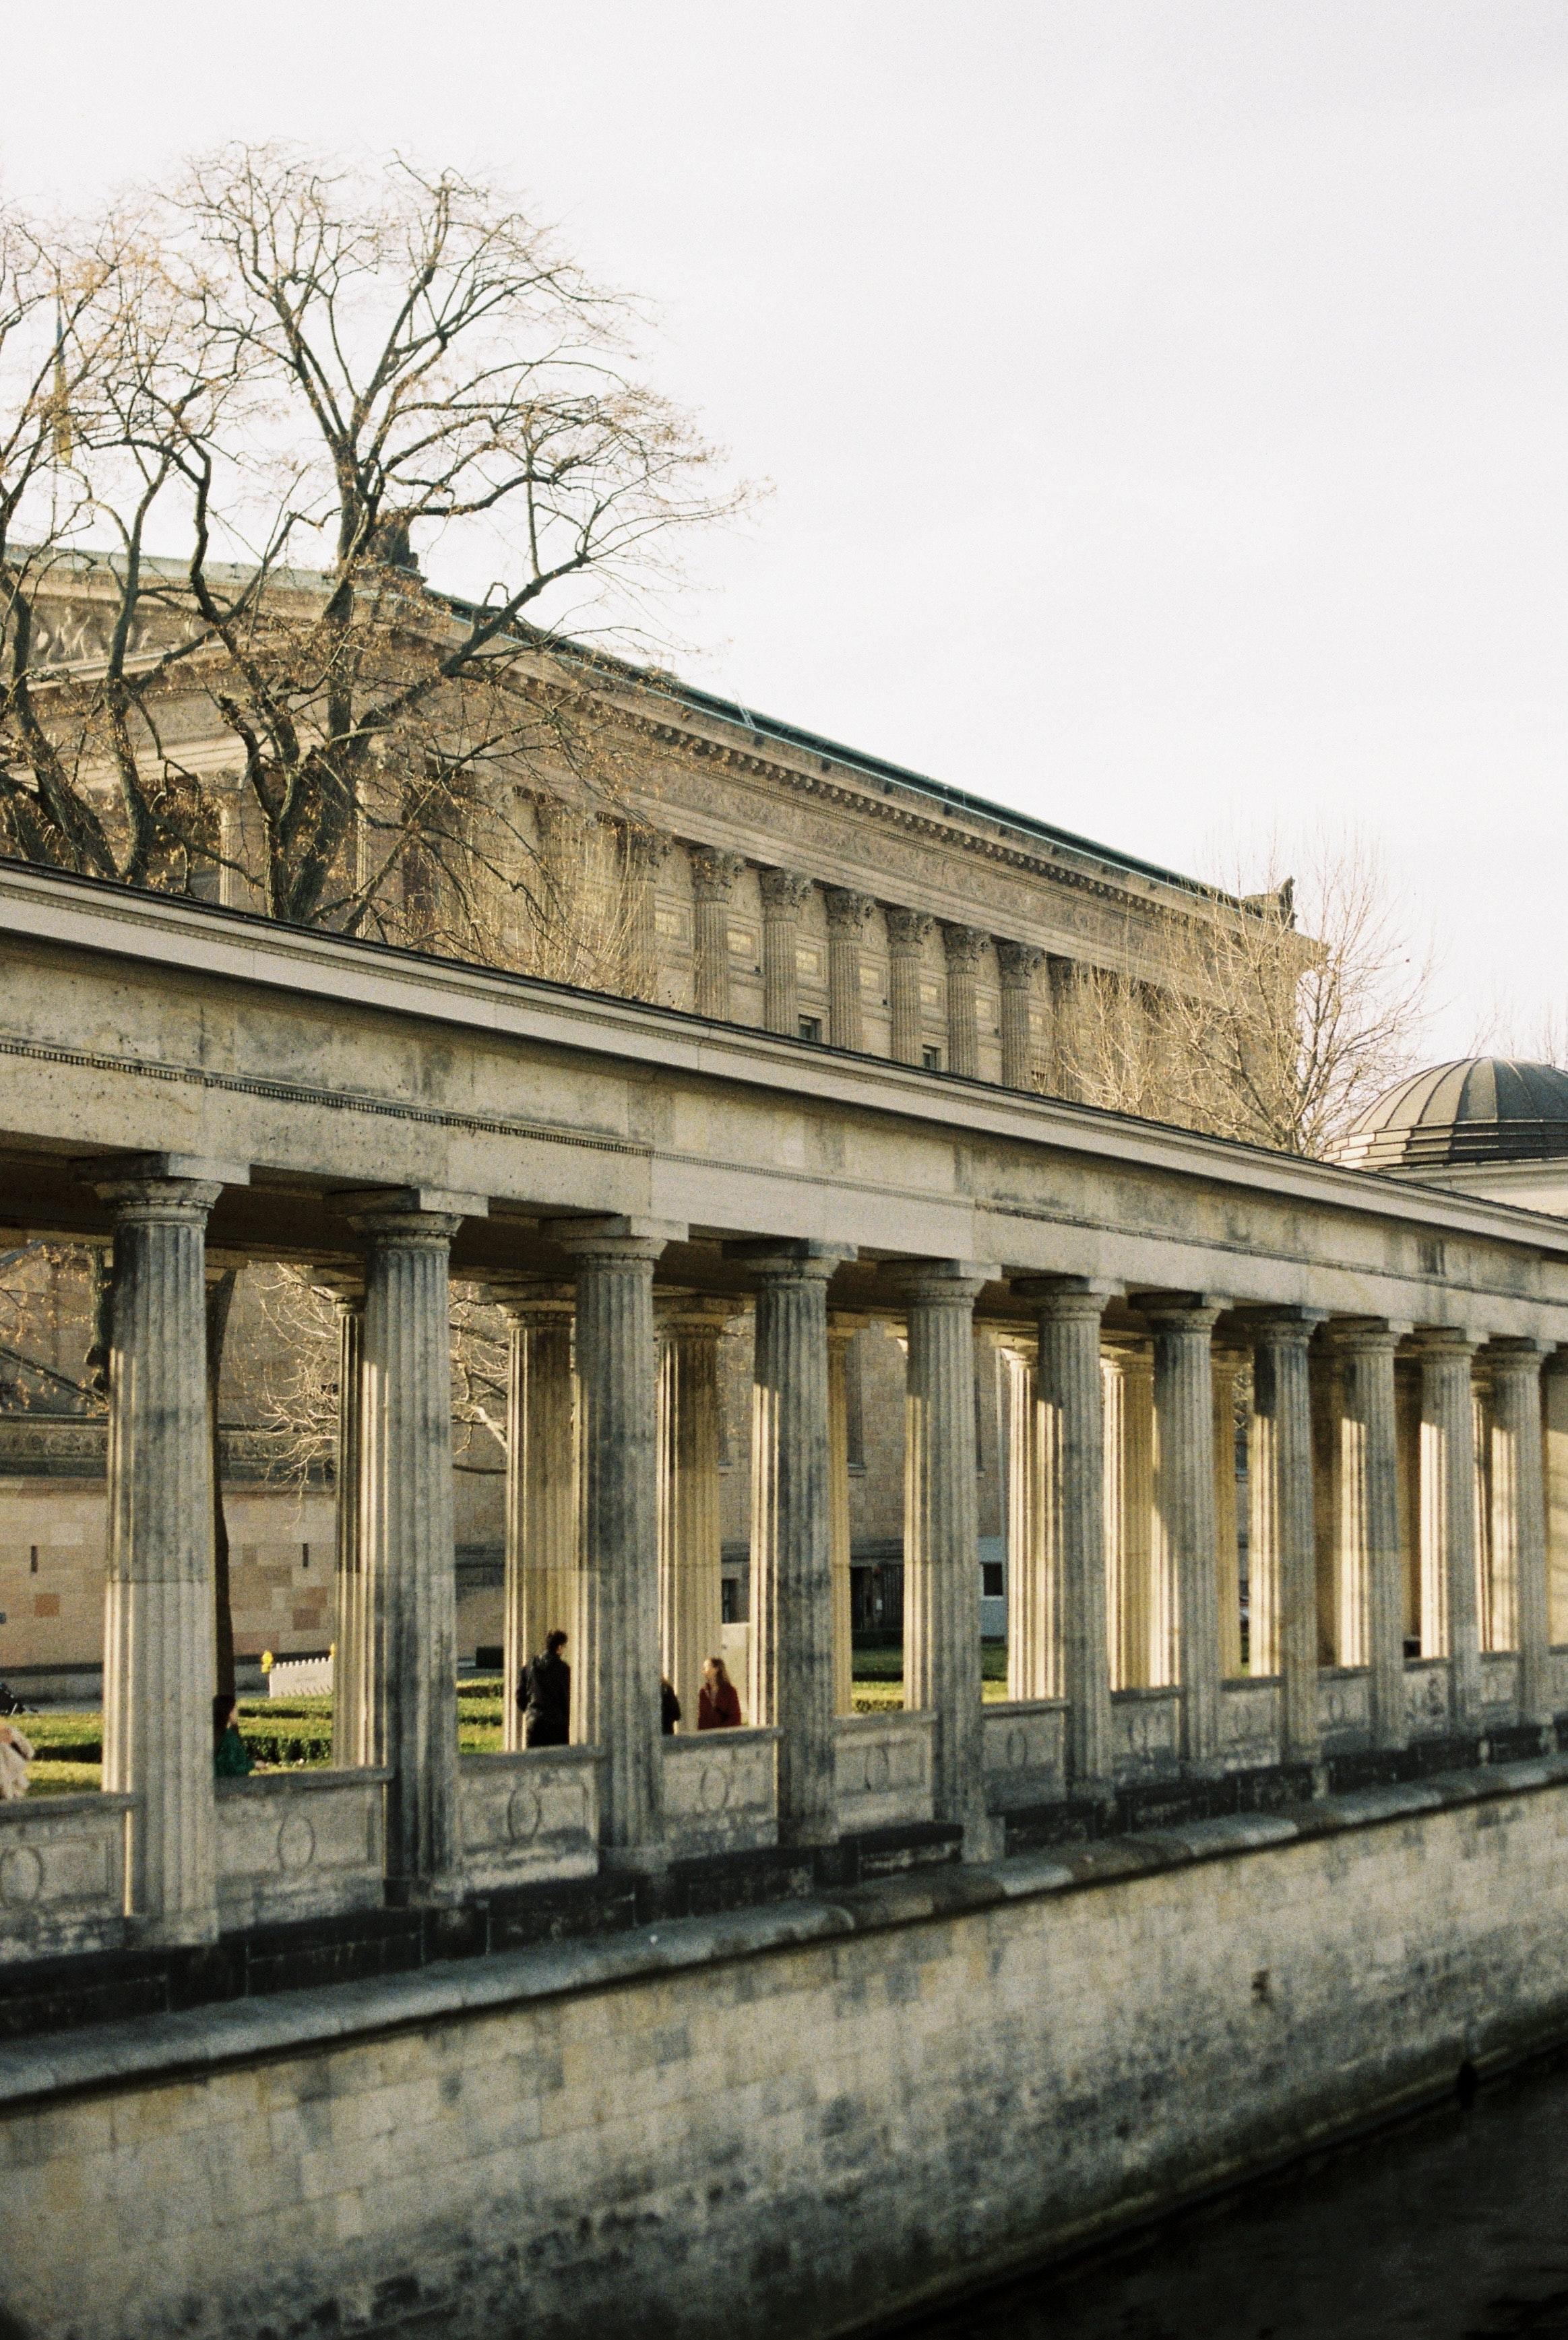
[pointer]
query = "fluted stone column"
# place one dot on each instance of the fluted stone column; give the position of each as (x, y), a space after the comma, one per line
(1018, 963)
(713, 877)
(1143, 1605)
(1282, 1575)
(792, 1683)
(690, 1554)
(159, 1651)
(784, 896)
(908, 931)
(351, 1635)
(642, 855)
(1184, 1512)
(1554, 1431)
(941, 1538)
(1034, 1638)
(1447, 1521)
(1227, 1373)
(841, 1330)
(617, 1524)
(542, 1581)
(963, 947)
(1059, 982)
(1071, 1517)
(1518, 1513)
(1371, 1560)
(408, 1548)
(846, 915)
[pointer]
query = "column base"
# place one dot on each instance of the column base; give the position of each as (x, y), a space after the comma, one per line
(425, 1893)
(634, 1860)
(187, 1931)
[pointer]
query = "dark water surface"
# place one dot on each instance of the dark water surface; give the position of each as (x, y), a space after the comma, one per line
(1454, 2227)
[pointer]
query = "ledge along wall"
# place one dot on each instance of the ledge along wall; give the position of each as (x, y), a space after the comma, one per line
(804, 2117)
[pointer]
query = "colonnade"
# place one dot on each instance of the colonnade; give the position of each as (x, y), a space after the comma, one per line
(1119, 1569)
(784, 893)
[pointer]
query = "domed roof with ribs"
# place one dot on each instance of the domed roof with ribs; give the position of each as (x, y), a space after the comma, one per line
(1477, 1109)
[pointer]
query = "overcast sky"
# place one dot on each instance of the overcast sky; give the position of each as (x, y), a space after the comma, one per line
(1165, 405)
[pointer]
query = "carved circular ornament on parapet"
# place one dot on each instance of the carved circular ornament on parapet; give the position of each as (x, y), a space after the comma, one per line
(296, 1844)
(20, 1876)
(878, 1768)
(713, 1787)
(524, 1814)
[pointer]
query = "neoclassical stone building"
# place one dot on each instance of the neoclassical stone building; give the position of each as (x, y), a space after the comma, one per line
(744, 870)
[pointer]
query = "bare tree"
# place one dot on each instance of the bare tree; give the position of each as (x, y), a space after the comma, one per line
(224, 455)
(1276, 1026)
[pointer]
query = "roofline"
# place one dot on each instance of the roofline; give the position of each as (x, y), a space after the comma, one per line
(662, 685)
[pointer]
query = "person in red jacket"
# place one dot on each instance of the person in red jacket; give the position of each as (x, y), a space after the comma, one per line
(718, 1701)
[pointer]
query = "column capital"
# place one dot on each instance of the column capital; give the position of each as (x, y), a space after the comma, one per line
(714, 872)
(783, 890)
(197, 1169)
(408, 1206)
(1287, 1323)
(612, 1237)
(941, 1279)
(154, 1201)
(530, 1299)
(1446, 1340)
(646, 849)
(1180, 1312)
(1036, 1289)
(1367, 1335)
(1018, 963)
(787, 1260)
(676, 1313)
(847, 911)
(964, 944)
(907, 929)
(1512, 1354)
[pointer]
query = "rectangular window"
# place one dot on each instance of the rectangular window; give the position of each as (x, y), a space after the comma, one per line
(811, 1027)
(991, 1579)
(931, 1059)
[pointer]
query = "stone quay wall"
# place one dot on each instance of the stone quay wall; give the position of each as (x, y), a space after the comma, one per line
(805, 2119)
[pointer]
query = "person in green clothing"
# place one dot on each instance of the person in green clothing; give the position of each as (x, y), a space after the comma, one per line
(231, 1755)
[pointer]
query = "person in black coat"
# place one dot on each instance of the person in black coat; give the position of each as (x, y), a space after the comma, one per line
(544, 1695)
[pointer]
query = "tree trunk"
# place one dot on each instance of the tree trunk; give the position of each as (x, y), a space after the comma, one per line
(220, 1299)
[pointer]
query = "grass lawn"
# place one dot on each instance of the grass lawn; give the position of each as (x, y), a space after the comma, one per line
(296, 1734)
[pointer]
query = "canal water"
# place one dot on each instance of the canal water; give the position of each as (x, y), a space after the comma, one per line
(1452, 2227)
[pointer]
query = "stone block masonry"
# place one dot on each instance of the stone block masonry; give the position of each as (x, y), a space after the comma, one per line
(849, 2106)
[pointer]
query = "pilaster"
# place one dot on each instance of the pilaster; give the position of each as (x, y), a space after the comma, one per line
(907, 933)
(543, 1588)
(643, 852)
(1018, 964)
(713, 877)
(1142, 1625)
(784, 896)
(963, 947)
(846, 915)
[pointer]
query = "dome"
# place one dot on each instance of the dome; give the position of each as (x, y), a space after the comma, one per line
(1477, 1109)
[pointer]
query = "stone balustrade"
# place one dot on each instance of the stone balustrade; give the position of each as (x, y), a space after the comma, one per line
(1344, 1708)
(300, 1844)
(63, 1874)
(529, 1816)
(1249, 1724)
(720, 1791)
(885, 1767)
(1145, 1730)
